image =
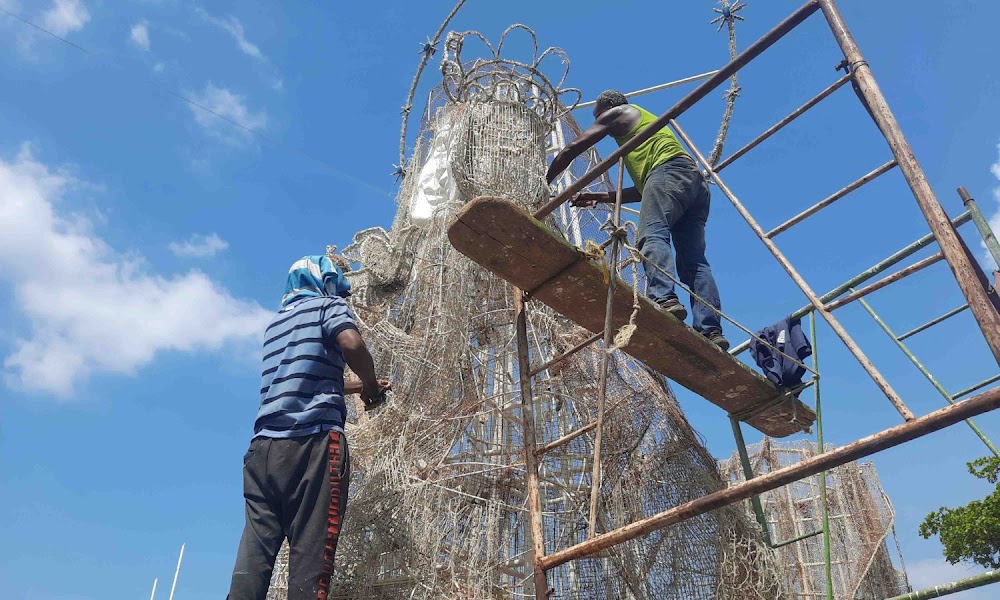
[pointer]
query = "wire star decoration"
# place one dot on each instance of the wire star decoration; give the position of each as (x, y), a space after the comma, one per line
(428, 48)
(727, 14)
(399, 172)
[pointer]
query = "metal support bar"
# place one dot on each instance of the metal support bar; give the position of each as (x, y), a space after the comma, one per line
(989, 236)
(927, 374)
(950, 588)
(973, 388)
(818, 305)
(569, 437)
(881, 283)
(951, 313)
(566, 354)
(804, 536)
(655, 88)
(722, 75)
(596, 472)
(867, 274)
(534, 501)
(748, 474)
(798, 112)
(872, 444)
(815, 208)
(827, 560)
(986, 315)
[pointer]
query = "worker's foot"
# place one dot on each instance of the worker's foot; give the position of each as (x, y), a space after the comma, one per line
(674, 307)
(715, 336)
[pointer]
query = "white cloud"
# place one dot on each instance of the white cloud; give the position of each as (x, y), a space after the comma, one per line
(139, 34)
(88, 308)
(199, 246)
(226, 106)
(233, 27)
(65, 16)
(927, 573)
(158, 67)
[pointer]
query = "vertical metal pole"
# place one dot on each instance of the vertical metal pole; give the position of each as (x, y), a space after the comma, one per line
(818, 305)
(596, 475)
(748, 474)
(530, 460)
(989, 236)
(827, 563)
(173, 586)
(923, 370)
(987, 316)
(152, 595)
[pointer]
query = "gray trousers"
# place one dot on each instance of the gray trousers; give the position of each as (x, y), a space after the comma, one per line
(295, 488)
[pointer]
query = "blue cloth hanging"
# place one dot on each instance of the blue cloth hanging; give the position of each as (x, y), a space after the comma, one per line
(786, 335)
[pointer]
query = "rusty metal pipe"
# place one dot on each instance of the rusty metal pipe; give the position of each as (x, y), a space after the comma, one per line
(798, 112)
(534, 501)
(894, 436)
(566, 354)
(986, 315)
(722, 75)
(881, 283)
(818, 305)
(815, 208)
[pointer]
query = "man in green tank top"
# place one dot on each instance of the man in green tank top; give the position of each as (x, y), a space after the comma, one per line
(675, 206)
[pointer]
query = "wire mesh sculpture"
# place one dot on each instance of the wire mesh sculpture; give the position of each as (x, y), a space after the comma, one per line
(861, 522)
(437, 504)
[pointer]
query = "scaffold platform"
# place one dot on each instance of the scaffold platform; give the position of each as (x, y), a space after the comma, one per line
(509, 242)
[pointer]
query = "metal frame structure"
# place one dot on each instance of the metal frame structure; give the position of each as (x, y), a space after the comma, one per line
(967, 274)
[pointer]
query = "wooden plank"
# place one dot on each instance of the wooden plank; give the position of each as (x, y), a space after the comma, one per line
(506, 240)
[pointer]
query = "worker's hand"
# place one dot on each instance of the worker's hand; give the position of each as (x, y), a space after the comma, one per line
(352, 386)
(375, 389)
(589, 199)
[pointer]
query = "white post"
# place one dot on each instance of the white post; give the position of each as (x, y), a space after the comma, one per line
(152, 596)
(177, 572)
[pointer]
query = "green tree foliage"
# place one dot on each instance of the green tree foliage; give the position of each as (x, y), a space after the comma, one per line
(971, 532)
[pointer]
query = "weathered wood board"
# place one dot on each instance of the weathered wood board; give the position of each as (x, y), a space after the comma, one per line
(509, 242)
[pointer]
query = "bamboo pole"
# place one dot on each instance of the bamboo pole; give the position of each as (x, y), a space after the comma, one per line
(867, 446)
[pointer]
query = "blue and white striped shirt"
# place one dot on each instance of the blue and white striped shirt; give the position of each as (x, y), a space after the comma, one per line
(302, 384)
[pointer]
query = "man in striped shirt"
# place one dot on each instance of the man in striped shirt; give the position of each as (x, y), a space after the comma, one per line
(296, 473)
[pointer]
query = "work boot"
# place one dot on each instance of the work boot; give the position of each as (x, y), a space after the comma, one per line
(715, 336)
(674, 307)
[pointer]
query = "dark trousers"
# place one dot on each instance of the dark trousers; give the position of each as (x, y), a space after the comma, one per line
(675, 203)
(295, 488)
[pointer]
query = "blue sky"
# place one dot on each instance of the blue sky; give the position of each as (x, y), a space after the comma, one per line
(143, 241)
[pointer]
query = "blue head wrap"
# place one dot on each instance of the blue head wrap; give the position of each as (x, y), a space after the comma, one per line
(314, 276)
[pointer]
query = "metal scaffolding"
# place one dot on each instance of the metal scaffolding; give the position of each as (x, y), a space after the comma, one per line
(979, 293)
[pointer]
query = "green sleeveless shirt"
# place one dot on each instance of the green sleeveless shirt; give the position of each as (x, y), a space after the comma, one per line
(655, 151)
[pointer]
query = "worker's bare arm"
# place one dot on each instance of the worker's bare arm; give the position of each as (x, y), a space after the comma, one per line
(589, 199)
(610, 122)
(360, 360)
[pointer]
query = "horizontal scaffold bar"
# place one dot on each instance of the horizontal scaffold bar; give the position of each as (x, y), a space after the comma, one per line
(872, 444)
